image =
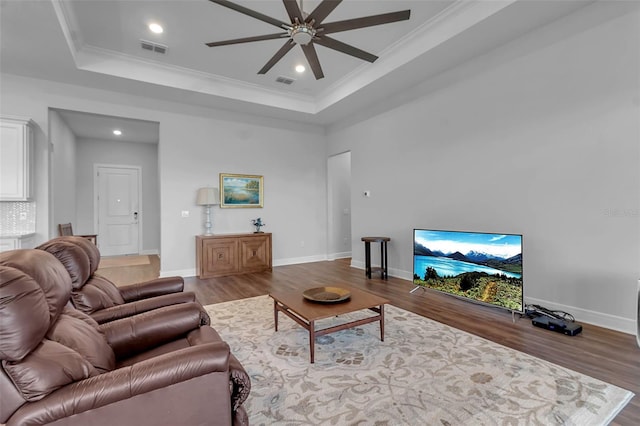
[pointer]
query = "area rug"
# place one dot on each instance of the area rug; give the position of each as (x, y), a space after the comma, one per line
(423, 373)
(121, 261)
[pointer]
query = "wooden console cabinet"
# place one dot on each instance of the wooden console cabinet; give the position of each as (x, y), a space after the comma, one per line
(231, 254)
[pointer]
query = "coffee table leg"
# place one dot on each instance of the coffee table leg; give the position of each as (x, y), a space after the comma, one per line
(275, 314)
(312, 340)
(382, 323)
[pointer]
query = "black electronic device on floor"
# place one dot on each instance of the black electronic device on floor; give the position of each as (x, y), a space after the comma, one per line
(554, 324)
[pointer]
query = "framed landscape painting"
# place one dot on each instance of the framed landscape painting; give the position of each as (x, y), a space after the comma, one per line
(241, 190)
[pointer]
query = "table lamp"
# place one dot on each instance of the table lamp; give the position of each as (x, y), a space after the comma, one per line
(208, 197)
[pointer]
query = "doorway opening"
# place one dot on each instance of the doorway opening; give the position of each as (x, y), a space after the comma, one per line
(81, 141)
(339, 205)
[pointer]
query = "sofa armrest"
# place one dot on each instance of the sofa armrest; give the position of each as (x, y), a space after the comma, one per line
(152, 288)
(124, 383)
(139, 333)
(240, 382)
(140, 306)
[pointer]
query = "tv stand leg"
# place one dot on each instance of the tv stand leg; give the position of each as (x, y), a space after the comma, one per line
(416, 287)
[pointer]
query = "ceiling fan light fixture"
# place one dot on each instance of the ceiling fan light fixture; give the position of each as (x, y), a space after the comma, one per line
(302, 34)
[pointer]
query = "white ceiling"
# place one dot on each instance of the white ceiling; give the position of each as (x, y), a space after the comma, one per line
(85, 125)
(96, 43)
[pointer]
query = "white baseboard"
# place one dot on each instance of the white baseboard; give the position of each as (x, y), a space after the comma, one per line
(150, 252)
(613, 322)
(278, 262)
(334, 256)
(179, 273)
(404, 275)
(296, 260)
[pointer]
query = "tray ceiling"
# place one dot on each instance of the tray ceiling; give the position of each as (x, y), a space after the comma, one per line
(98, 43)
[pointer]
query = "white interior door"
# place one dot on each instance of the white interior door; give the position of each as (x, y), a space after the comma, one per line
(118, 209)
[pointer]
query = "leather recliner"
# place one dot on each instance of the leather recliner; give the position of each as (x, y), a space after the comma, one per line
(95, 295)
(59, 366)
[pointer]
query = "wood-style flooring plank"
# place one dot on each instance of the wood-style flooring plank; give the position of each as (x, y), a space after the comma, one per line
(607, 355)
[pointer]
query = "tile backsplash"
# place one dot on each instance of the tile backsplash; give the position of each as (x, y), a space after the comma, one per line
(17, 217)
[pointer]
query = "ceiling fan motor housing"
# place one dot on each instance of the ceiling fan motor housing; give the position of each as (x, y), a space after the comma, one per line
(302, 33)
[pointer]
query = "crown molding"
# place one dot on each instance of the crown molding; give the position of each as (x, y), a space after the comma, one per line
(117, 64)
(455, 19)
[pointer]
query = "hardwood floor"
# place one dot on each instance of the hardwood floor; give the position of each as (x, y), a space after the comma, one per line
(133, 274)
(610, 356)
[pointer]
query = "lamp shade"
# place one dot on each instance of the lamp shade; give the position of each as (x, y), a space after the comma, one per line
(207, 197)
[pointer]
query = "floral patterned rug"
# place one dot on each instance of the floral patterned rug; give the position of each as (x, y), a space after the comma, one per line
(423, 373)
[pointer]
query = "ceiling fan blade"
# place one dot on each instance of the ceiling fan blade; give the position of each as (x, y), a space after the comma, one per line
(366, 21)
(323, 10)
(312, 58)
(252, 13)
(344, 48)
(247, 39)
(279, 54)
(293, 10)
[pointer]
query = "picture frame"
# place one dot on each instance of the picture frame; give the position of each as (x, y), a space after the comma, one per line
(241, 191)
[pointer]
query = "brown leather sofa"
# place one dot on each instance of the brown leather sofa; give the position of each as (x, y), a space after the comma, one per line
(59, 366)
(95, 295)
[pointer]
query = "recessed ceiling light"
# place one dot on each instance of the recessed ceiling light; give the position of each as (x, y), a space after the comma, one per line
(156, 28)
(300, 68)
(117, 132)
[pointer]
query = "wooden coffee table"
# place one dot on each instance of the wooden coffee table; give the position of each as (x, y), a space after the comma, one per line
(306, 313)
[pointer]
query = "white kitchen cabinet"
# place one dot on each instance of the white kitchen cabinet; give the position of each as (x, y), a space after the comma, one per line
(16, 140)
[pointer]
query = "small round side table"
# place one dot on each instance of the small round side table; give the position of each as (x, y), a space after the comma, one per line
(383, 256)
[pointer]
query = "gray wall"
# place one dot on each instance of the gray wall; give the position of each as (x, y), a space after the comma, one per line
(143, 155)
(63, 182)
(195, 150)
(539, 137)
(196, 144)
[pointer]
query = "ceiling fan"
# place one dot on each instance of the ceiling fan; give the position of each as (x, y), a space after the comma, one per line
(309, 29)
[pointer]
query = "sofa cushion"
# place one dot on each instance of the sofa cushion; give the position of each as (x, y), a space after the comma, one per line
(24, 314)
(90, 249)
(47, 368)
(72, 257)
(85, 338)
(47, 272)
(97, 294)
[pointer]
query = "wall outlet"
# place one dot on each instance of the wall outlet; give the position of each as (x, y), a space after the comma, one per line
(185, 213)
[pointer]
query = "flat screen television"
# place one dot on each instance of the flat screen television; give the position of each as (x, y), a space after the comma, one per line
(483, 267)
